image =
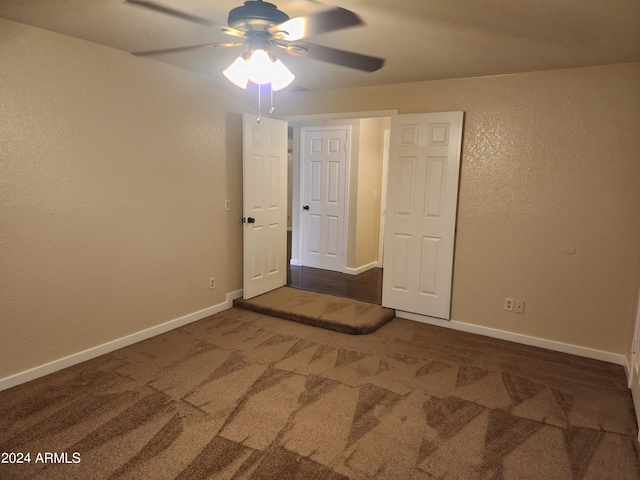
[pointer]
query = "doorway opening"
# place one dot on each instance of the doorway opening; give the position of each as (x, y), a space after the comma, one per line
(360, 269)
(419, 230)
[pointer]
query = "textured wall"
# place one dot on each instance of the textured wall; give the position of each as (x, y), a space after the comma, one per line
(551, 163)
(114, 171)
(369, 172)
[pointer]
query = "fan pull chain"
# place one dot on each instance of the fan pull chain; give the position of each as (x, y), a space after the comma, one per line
(259, 120)
(272, 108)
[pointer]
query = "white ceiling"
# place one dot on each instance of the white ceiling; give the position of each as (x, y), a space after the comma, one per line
(420, 39)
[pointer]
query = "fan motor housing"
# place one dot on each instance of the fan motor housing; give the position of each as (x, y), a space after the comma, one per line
(256, 15)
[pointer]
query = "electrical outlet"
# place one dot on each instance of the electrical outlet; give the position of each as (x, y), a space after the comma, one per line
(508, 304)
(227, 205)
(212, 283)
(519, 306)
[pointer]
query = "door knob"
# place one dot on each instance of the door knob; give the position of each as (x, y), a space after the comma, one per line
(251, 220)
(306, 207)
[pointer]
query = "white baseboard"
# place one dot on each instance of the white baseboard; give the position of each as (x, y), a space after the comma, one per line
(56, 365)
(51, 367)
(363, 268)
(348, 270)
(518, 338)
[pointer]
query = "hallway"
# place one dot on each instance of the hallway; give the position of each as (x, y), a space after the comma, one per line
(366, 287)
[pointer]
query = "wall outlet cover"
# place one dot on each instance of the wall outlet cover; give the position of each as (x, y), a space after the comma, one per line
(508, 304)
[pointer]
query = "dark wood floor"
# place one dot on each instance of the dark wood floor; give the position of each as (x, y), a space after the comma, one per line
(366, 287)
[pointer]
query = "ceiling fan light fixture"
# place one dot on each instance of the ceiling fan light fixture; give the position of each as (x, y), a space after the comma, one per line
(281, 76)
(238, 72)
(259, 68)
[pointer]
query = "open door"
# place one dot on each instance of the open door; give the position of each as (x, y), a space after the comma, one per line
(424, 168)
(264, 161)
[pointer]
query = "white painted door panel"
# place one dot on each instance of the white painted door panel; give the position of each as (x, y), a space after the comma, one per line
(424, 169)
(264, 205)
(324, 160)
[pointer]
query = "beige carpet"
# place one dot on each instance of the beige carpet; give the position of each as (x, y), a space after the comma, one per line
(325, 311)
(242, 395)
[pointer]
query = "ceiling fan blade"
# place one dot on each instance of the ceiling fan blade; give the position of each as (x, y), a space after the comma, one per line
(189, 47)
(343, 58)
(315, 24)
(233, 32)
(185, 16)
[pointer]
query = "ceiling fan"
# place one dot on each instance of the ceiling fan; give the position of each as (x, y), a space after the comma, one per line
(261, 25)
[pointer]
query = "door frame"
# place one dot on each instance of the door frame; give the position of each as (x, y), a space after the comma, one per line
(296, 121)
(384, 183)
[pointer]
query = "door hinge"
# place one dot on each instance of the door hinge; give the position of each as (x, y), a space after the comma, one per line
(634, 346)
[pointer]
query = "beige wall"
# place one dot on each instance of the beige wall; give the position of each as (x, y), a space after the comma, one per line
(114, 172)
(368, 194)
(551, 161)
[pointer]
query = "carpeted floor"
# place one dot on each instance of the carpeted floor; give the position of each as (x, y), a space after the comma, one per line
(242, 395)
(326, 311)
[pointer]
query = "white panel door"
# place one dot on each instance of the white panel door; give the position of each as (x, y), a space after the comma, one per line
(324, 160)
(264, 205)
(422, 197)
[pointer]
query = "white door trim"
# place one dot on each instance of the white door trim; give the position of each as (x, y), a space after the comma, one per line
(339, 116)
(384, 180)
